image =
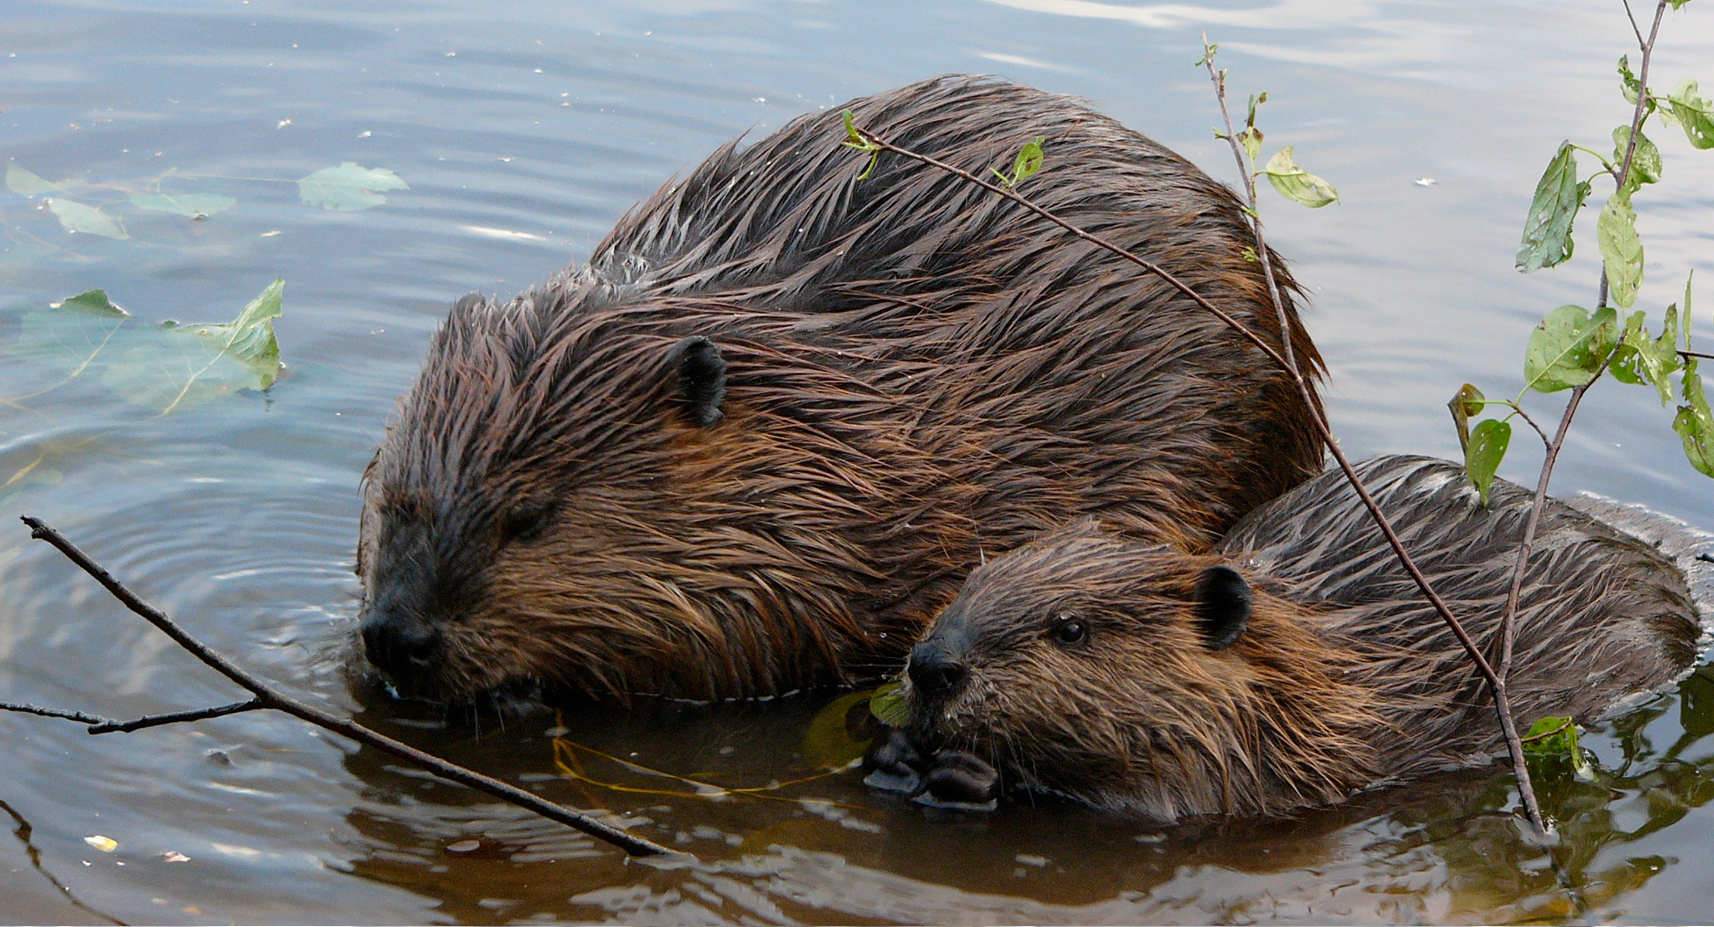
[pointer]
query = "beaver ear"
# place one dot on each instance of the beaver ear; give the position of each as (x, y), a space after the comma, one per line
(702, 379)
(1222, 606)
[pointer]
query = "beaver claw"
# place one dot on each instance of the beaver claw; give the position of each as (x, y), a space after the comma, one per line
(896, 764)
(948, 779)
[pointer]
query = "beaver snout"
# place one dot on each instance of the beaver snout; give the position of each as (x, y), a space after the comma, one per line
(936, 669)
(402, 644)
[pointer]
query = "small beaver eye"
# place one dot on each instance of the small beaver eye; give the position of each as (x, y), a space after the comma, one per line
(524, 522)
(1067, 629)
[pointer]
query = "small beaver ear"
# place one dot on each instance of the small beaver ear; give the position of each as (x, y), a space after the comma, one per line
(702, 379)
(1222, 606)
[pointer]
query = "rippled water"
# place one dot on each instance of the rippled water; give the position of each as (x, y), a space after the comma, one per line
(524, 130)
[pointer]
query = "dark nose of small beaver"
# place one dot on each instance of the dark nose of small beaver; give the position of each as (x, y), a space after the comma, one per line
(400, 643)
(935, 670)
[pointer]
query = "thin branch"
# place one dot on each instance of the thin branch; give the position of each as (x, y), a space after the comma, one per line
(271, 698)
(177, 717)
(1545, 440)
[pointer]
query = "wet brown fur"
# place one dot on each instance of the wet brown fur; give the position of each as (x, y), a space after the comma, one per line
(918, 372)
(1343, 678)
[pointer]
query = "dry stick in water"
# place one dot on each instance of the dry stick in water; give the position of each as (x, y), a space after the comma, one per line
(1495, 683)
(266, 697)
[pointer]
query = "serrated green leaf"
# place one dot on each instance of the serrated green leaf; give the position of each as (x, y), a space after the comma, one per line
(1467, 402)
(349, 186)
(177, 365)
(840, 732)
(80, 218)
(1645, 161)
(1694, 113)
(1568, 347)
(1488, 443)
(888, 705)
(189, 205)
(1547, 230)
(1297, 184)
(1621, 248)
(1694, 422)
(70, 336)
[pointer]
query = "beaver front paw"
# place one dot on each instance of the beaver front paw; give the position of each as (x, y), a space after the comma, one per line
(959, 780)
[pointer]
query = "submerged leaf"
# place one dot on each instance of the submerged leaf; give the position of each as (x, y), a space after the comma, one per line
(1568, 347)
(349, 186)
(174, 365)
(22, 181)
(1547, 230)
(1296, 183)
(840, 732)
(70, 335)
(189, 205)
(80, 218)
(1488, 443)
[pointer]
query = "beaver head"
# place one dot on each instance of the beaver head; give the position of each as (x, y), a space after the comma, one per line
(556, 496)
(1140, 679)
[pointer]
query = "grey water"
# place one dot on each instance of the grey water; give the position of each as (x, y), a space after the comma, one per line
(522, 131)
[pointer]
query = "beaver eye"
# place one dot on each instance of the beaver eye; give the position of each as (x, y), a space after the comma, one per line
(524, 522)
(1068, 629)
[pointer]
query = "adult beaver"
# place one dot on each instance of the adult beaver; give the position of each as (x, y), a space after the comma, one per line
(765, 432)
(1294, 664)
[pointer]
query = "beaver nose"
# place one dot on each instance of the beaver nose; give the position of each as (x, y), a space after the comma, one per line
(935, 670)
(400, 643)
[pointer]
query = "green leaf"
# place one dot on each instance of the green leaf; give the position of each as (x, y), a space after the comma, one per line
(855, 139)
(888, 705)
(69, 336)
(1695, 423)
(80, 218)
(1694, 113)
(1628, 83)
(1466, 403)
(1556, 738)
(1298, 184)
(1621, 248)
(840, 732)
(1645, 161)
(1547, 230)
(1251, 139)
(1028, 161)
(175, 365)
(1568, 347)
(189, 205)
(349, 186)
(1488, 443)
(22, 181)
(1639, 359)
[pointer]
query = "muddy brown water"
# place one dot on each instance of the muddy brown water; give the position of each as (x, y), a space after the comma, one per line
(524, 130)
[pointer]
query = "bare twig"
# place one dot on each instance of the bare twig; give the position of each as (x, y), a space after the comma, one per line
(266, 696)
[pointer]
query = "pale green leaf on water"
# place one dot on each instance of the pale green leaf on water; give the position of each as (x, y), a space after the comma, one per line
(170, 365)
(19, 180)
(1695, 423)
(189, 205)
(1645, 161)
(1621, 248)
(80, 218)
(1488, 443)
(1568, 347)
(1547, 230)
(1296, 183)
(69, 336)
(1468, 402)
(839, 733)
(888, 705)
(349, 186)
(1694, 113)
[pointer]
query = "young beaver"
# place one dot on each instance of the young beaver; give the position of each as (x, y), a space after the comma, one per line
(1292, 666)
(761, 437)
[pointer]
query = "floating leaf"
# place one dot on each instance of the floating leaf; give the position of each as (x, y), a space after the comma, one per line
(1568, 347)
(189, 205)
(1296, 183)
(80, 218)
(1467, 402)
(22, 181)
(1645, 161)
(174, 365)
(104, 844)
(349, 186)
(1558, 196)
(1695, 423)
(1556, 738)
(840, 732)
(1694, 113)
(888, 705)
(1621, 248)
(69, 336)
(1488, 443)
